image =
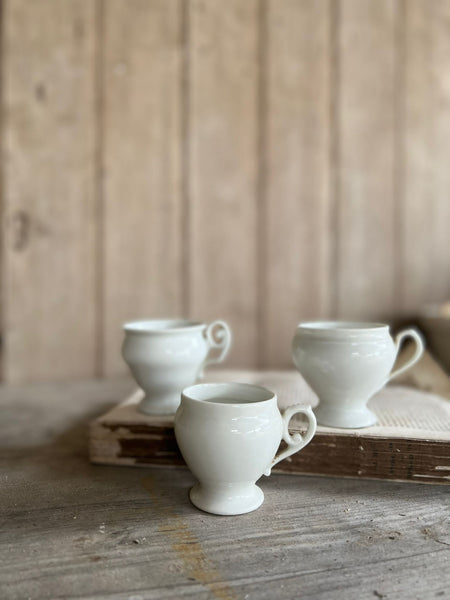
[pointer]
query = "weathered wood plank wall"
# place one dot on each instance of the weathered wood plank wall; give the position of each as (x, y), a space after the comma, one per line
(141, 193)
(263, 162)
(365, 186)
(295, 172)
(424, 203)
(222, 154)
(50, 219)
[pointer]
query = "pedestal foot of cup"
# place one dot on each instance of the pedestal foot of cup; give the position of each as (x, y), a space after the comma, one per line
(344, 418)
(226, 499)
(159, 405)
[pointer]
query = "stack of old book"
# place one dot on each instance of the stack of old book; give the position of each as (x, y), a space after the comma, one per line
(411, 441)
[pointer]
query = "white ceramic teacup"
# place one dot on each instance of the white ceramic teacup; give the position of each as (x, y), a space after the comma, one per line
(345, 363)
(165, 356)
(228, 434)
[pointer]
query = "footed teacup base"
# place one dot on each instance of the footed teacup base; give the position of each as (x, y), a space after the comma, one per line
(227, 499)
(160, 405)
(346, 418)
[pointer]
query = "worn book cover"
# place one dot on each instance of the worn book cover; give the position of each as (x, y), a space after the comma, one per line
(411, 441)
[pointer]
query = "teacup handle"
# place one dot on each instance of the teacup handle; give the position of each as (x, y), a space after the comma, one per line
(297, 441)
(412, 333)
(218, 335)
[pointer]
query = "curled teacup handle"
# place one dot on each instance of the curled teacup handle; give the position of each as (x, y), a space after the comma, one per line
(412, 333)
(297, 441)
(218, 335)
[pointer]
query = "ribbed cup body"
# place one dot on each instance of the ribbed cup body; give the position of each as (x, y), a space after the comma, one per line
(228, 442)
(164, 361)
(345, 364)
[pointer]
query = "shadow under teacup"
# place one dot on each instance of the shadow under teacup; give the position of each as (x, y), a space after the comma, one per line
(346, 363)
(228, 434)
(166, 355)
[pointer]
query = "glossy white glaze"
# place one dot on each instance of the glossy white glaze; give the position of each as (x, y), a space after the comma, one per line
(228, 434)
(345, 363)
(165, 356)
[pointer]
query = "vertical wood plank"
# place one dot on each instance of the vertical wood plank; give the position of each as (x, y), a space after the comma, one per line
(142, 166)
(296, 172)
(49, 270)
(223, 167)
(366, 125)
(425, 214)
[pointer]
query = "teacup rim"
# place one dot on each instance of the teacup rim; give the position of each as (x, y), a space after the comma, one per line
(150, 326)
(342, 326)
(216, 384)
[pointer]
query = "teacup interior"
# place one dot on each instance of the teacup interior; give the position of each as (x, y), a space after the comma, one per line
(341, 325)
(225, 400)
(228, 393)
(160, 325)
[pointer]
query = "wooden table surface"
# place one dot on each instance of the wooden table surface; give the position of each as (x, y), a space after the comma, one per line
(73, 530)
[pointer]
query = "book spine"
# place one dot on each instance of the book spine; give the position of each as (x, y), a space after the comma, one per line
(414, 460)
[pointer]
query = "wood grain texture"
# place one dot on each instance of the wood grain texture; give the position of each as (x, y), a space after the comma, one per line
(142, 229)
(426, 144)
(223, 137)
(366, 110)
(73, 530)
(264, 162)
(296, 172)
(49, 203)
